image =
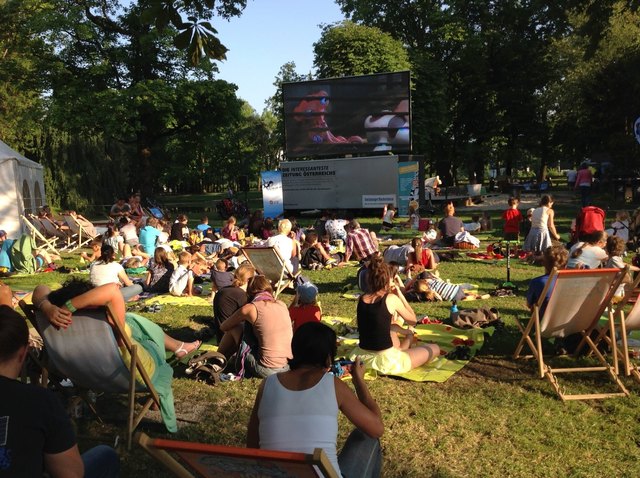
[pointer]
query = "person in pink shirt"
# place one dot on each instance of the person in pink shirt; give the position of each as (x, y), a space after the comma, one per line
(584, 181)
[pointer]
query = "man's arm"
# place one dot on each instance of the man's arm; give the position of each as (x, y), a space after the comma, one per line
(66, 464)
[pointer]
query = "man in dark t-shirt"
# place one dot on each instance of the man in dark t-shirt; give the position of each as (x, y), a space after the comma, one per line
(226, 301)
(35, 431)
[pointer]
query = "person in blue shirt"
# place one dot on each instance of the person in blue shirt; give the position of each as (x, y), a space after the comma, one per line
(553, 256)
(204, 226)
(148, 235)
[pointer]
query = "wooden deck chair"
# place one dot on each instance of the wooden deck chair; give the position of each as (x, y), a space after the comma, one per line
(53, 230)
(217, 461)
(627, 323)
(40, 240)
(80, 234)
(577, 300)
(268, 262)
(87, 353)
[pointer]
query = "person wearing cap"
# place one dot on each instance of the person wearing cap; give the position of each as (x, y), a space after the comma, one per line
(304, 307)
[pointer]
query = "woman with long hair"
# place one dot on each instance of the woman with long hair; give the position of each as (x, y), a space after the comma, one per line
(297, 410)
(421, 258)
(159, 272)
(378, 310)
(231, 298)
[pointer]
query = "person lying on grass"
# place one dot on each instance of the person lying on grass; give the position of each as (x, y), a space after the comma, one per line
(380, 347)
(60, 305)
(297, 410)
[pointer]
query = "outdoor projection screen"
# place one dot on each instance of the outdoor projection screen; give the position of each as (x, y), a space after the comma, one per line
(351, 115)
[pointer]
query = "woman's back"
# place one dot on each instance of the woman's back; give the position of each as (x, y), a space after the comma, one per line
(104, 273)
(274, 332)
(299, 420)
(374, 322)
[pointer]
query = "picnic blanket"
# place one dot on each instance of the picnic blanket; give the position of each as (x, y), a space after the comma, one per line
(447, 338)
(166, 299)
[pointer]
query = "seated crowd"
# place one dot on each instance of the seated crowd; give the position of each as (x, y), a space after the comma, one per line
(297, 404)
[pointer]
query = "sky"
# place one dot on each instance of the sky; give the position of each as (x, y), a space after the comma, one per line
(268, 34)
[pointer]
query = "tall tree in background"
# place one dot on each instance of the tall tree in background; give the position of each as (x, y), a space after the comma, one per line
(348, 49)
(479, 68)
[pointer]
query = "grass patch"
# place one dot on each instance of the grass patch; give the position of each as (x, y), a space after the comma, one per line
(492, 419)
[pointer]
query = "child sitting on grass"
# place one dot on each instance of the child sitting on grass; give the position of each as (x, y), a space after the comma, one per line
(220, 276)
(96, 244)
(181, 282)
(615, 249)
(387, 217)
(304, 307)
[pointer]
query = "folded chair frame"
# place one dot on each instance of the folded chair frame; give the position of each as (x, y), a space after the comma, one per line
(268, 262)
(39, 238)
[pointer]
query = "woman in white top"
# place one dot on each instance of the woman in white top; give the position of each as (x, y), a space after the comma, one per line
(297, 410)
(543, 229)
(107, 271)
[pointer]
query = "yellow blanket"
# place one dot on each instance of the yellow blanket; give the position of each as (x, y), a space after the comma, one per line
(167, 299)
(447, 338)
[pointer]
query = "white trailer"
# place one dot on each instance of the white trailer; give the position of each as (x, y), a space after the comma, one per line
(345, 183)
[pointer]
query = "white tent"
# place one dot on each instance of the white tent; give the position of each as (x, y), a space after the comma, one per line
(21, 189)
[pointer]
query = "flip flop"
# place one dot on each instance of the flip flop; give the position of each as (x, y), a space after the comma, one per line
(181, 352)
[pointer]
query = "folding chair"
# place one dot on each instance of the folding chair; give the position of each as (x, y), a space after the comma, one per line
(53, 230)
(80, 234)
(87, 353)
(577, 301)
(218, 461)
(268, 262)
(628, 322)
(38, 237)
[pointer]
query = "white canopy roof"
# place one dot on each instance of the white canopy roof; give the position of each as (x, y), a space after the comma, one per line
(6, 153)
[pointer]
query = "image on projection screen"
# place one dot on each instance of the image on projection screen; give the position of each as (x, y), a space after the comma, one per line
(351, 115)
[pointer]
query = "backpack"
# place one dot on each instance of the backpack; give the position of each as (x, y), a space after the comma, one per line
(477, 318)
(311, 258)
(590, 219)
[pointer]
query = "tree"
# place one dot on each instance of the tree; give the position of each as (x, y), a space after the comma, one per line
(348, 49)
(479, 69)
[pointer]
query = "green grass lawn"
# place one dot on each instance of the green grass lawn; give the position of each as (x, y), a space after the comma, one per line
(495, 418)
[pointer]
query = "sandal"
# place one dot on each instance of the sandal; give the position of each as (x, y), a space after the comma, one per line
(181, 352)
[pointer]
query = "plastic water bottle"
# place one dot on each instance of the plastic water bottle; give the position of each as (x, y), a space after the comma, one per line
(453, 316)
